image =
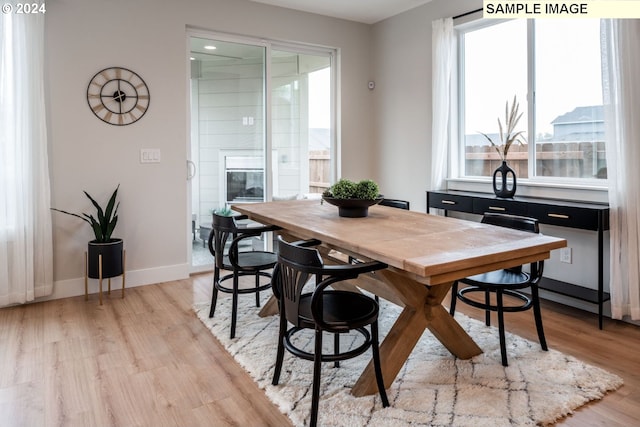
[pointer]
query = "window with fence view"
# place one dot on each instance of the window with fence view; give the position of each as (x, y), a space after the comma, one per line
(553, 68)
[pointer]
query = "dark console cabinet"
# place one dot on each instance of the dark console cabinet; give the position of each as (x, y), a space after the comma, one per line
(583, 216)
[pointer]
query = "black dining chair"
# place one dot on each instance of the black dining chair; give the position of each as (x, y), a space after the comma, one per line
(322, 310)
(508, 282)
(224, 244)
(395, 203)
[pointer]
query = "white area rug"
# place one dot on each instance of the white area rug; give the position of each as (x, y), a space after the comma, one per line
(433, 388)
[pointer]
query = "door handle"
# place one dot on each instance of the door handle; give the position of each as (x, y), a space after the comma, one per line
(191, 170)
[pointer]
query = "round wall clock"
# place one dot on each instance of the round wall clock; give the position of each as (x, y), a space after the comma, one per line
(118, 96)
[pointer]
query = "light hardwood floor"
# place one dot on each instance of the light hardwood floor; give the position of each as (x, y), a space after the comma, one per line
(146, 360)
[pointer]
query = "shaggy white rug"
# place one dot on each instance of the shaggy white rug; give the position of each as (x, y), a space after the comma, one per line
(433, 388)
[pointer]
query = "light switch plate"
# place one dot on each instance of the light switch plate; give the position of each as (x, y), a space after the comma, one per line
(150, 155)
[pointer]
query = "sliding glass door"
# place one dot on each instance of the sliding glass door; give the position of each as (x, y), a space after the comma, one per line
(301, 119)
(261, 128)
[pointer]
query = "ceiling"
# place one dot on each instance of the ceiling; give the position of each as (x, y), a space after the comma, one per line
(365, 11)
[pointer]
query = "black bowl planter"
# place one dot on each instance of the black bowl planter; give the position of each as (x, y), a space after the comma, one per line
(352, 208)
(112, 262)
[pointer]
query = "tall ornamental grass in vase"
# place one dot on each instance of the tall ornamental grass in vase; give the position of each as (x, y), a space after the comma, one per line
(504, 178)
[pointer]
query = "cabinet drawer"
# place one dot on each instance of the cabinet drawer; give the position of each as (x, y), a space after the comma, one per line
(565, 216)
(480, 206)
(450, 202)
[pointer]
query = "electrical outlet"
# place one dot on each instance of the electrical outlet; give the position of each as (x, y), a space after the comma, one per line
(565, 255)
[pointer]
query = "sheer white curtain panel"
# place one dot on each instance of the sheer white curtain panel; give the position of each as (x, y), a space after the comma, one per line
(443, 58)
(621, 86)
(26, 249)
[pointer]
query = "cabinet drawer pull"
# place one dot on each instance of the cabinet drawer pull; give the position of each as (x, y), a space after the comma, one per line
(448, 202)
(561, 216)
(497, 208)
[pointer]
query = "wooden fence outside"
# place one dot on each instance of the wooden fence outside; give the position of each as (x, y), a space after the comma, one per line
(570, 160)
(319, 171)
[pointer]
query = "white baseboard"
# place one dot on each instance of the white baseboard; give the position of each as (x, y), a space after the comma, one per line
(75, 287)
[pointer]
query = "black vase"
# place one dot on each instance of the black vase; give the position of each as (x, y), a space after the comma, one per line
(111, 259)
(504, 181)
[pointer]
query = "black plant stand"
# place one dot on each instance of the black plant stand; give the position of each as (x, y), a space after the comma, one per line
(86, 276)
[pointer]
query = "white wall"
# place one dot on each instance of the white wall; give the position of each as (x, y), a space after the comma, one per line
(150, 37)
(402, 64)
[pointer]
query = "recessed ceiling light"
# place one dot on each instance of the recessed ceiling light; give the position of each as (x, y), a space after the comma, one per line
(192, 58)
(209, 47)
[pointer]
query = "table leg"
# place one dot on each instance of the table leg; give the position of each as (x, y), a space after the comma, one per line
(423, 310)
(270, 308)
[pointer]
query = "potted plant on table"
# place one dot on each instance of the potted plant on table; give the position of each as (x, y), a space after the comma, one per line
(111, 249)
(353, 198)
(507, 135)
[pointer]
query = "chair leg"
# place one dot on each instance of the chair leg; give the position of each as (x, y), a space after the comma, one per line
(487, 312)
(214, 292)
(257, 291)
(454, 298)
(537, 314)
(503, 344)
(234, 306)
(280, 352)
(317, 366)
(336, 348)
(376, 364)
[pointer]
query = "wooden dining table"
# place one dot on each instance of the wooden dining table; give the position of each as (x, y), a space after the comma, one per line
(425, 254)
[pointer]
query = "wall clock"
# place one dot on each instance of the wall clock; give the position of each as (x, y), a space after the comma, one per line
(118, 96)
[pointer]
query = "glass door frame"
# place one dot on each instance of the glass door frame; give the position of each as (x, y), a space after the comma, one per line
(269, 46)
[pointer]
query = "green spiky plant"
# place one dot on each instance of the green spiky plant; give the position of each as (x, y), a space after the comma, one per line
(507, 134)
(223, 211)
(107, 219)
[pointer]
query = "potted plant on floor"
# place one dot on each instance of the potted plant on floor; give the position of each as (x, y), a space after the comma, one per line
(111, 249)
(353, 198)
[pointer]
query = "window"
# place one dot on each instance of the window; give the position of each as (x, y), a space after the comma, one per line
(553, 69)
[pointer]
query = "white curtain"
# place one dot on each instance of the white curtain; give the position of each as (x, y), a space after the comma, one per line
(621, 85)
(443, 59)
(26, 250)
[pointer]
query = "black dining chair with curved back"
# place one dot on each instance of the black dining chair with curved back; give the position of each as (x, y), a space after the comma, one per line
(508, 282)
(224, 244)
(323, 310)
(395, 203)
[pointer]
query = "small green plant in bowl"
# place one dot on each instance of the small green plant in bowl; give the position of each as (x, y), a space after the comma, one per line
(353, 198)
(347, 189)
